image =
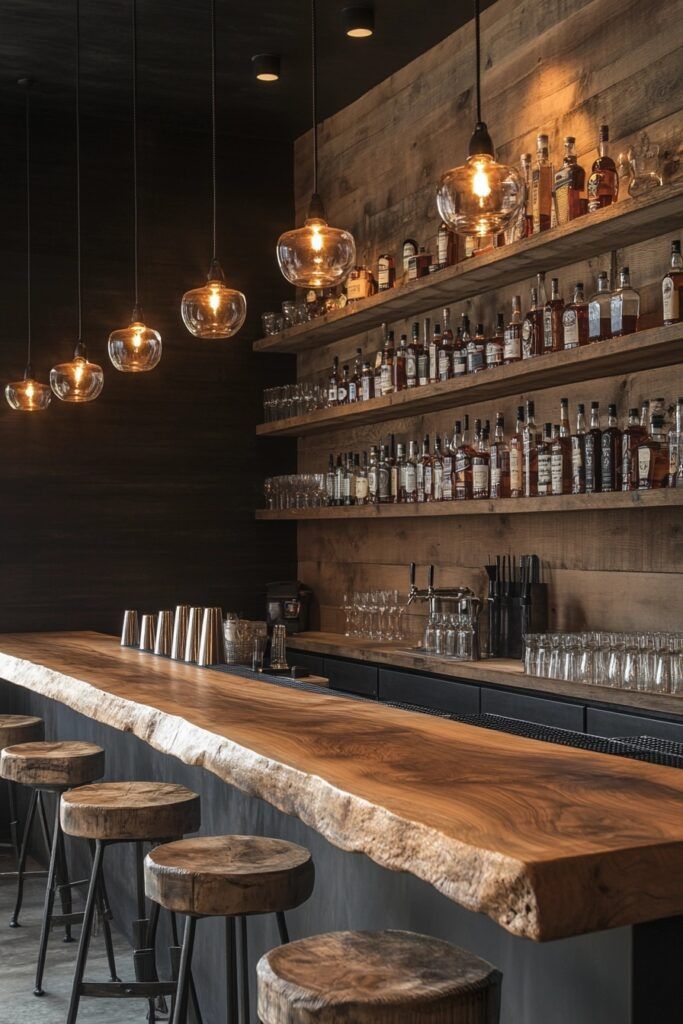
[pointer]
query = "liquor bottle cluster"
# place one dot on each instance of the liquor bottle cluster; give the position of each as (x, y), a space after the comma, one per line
(596, 456)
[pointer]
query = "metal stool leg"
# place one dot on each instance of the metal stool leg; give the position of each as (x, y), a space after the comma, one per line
(86, 929)
(21, 865)
(231, 956)
(63, 882)
(182, 991)
(45, 831)
(102, 910)
(282, 927)
(194, 1001)
(48, 905)
(13, 822)
(243, 962)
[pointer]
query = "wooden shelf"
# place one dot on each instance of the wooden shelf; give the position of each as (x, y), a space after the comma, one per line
(622, 224)
(498, 506)
(646, 350)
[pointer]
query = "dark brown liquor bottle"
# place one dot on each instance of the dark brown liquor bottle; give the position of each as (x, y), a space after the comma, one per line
(386, 377)
(653, 457)
(399, 370)
(553, 336)
(512, 347)
(575, 320)
(495, 345)
(517, 457)
(530, 442)
(333, 385)
(599, 315)
(459, 355)
(579, 452)
(393, 470)
(541, 187)
(411, 472)
(624, 306)
(373, 477)
(475, 350)
(532, 328)
(672, 287)
(603, 183)
(434, 348)
(437, 471)
(423, 354)
(611, 453)
(499, 461)
(544, 455)
(569, 184)
(411, 357)
(630, 440)
(355, 381)
(591, 452)
(401, 466)
(446, 247)
(444, 355)
(480, 462)
(383, 476)
(424, 472)
(447, 467)
(561, 457)
(463, 464)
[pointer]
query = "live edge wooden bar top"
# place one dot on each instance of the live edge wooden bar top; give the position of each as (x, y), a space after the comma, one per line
(549, 841)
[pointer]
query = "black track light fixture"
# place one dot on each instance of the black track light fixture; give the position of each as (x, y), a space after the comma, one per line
(266, 66)
(359, 21)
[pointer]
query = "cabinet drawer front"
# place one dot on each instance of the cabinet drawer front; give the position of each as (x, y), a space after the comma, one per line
(533, 709)
(313, 662)
(429, 692)
(613, 723)
(351, 676)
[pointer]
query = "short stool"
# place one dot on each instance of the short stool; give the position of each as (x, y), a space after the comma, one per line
(388, 977)
(126, 812)
(56, 767)
(231, 877)
(21, 729)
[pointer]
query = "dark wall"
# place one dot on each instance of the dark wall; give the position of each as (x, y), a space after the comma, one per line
(145, 497)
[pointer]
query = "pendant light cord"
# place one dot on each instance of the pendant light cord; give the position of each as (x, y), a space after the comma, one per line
(136, 236)
(314, 92)
(213, 121)
(79, 285)
(28, 224)
(477, 37)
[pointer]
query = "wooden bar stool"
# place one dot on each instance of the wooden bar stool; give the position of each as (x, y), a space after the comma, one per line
(126, 812)
(21, 729)
(56, 767)
(389, 977)
(231, 877)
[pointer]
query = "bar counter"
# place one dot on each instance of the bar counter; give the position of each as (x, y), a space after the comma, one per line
(548, 841)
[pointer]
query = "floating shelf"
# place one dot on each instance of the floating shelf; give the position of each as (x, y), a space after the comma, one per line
(646, 350)
(663, 498)
(624, 223)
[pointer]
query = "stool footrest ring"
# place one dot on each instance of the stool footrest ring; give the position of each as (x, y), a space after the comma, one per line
(128, 989)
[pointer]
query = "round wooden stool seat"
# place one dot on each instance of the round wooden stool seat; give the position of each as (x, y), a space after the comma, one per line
(46, 765)
(127, 811)
(228, 876)
(391, 977)
(20, 729)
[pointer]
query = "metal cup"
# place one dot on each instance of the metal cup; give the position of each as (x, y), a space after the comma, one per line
(164, 632)
(194, 630)
(212, 640)
(147, 630)
(278, 649)
(182, 614)
(130, 634)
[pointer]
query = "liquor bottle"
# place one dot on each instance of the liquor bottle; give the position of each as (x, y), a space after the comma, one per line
(386, 272)
(541, 187)
(512, 346)
(437, 471)
(383, 476)
(355, 381)
(496, 344)
(569, 184)
(329, 481)
(499, 462)
(427, 471)
(423, 354)
(480, 462)
(408, 250)
(401, 464)
(411, 357)
(411, 472)
(434, 348)
(592, 452)
(517, 456)
(599, 314)
(553, 335)
(447, 475)
(446, 247)
(463, 464)
(343, 386)
(377, 384)
(526, 220)
(579, 452)
(373, 477)
(676, 448)
(362, 481)
(544, 455)
(333, 384)
(475, 350)
(630, 439)
(575, 320)
(367, 383)
(386, 385)
(624, 306)
(399, 372)
(348, 488)
(672, 287)
(339, 481)
(392, 460)
(603, 183)
(532, 328)
(422, 463)
(653, 457)
(530, 442)
(459, 355)
(444, 356)
(611, 453)
(561, 455)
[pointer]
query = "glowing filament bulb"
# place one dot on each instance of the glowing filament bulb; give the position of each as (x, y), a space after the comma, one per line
(215, 299)
(480, 183)
(316, 238)
(79, 365)
(30, 391)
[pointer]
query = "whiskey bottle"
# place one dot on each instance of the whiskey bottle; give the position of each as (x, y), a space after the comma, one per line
(411, 472)
(377, 384)
(575, 320)
(672, 287)
(459, 355)
(399, 375)
(480, 462)
(541, 187)
(401, 465)
(499, 462)
(339, 482)
(569, 184)
(411, 357)
(532, 328)
(579, 452)
(611, 453)
(517, 456)
(348, 480)
(676, 448)
(544, 457)
(367, 383)
(386, 272)
(530, 442)
(329, 481)
(437, 471)
(393, 470)
(603, 183)
(355, 381)
(512, 346)
(475, 350)
(373, 477)
(445, 353)
(496, 344)
(624, 306)
(630, 439)
(653, 457)
(423, 354)
(447, 475)
(427, 471)
(463, 464)
(446, 247)
(362, 481)
(383, 476)
(599, 314)
(526, 220)
(386, 385)
(408, 250)
(553, 335)
(434, 348)
(333, 385)
(591, 452)
(561, 455)
(422, 463)
(343, 386)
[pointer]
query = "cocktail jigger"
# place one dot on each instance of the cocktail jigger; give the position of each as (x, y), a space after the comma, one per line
(194, 630)
(130, 634)
(212, 640)
(182, 613)
(164, 632)
(147, 629)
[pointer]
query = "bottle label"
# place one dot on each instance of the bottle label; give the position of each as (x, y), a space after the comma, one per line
(593, 319)
(644, 457)
(494, 353)
(459, 363)
(447, 479)
(332, 393)
(411, 478)
(411, 370)
(393, 484)
(353, 391)
(607, 464)
(346, 485)
(495, 479)
(480, 478)
(383, 482)
(544, 473)
(342, 393)
(475, 359)
(385, 385)
(577, 457)
(671, 300)
(444, 365)
(512, 346)
(428, 481)
(570, 322)
(527, 339)
(420, 481)
(366, 388)
(556, 474)
(438, 481)
(548, 330)
(589, 461)
(372, 481)
(433, 362)
(361, 488)
(515, 470)
(442, 240)
(383, 275)
(423, 368)
(616, 310)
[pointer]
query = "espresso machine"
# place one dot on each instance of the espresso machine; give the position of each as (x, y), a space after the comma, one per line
(287, 604)
(450, 601)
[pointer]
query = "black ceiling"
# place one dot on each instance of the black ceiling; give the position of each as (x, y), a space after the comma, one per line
(36, 38)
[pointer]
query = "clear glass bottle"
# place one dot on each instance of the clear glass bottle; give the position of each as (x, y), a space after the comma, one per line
(401, 466)
(599, 314)
(676, 448)
(362, 481)
(424, 472)
(333, 384)
(544, 455)
(383, 476)
(434, 349)
(579, 452)
(603, 183)
(444, 356)
(475, 351)
(339, 482)
(463, 464)
(630, 439)
(532, 328)
(437, 471)
(575, 320)
(495, 344)
(624, 306)
(459, 355)
(561, 455)
(512, 349)
(499, 461)
(480, 462)
(423, 354)
(672, 287)
(653, 457)
(447, 461)
(591, 452)
(411, 472)
(393, 470)
(530, 442)
(611, 453)
(329, 481)
(373, 477)
(517, 457)
(367, 383)
(553, 336)
(348, 488)
(541, 187)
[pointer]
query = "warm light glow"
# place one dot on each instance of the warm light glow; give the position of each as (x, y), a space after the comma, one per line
(28, 395)
(481, 197)
(214, 310)
(316, 238)
(267, 76)
(316, 255)
(359, 33)
(214, 299)
(79, 380)
(480, 183)
(136, 348)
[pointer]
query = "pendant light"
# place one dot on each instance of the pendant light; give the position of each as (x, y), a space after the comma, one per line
(316, 255)
(481, 196)
(28, 395)
(136, 348)
(78, 380)
(214, 310)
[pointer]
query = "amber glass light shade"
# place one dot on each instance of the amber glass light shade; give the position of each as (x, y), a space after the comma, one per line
(316, 255)
(481, 197)
(28, 395)
(79, 380)
(136, 348)
(214, 310)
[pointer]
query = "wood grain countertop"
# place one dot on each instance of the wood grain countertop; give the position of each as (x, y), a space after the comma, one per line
(549, 841)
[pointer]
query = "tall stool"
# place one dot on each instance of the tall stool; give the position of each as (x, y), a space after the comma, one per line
(21, 729)
(56, 767)
(231, 877)
(126, 812)
(389, 977)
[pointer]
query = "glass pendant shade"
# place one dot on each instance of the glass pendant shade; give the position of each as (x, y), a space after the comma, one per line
(28, 395)
(316, 255)
(481, 197)
(136, 348)
(79, 380)
(214, 310)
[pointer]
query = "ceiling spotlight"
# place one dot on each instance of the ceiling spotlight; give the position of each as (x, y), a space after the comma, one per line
(266, 66)
(359, 21)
